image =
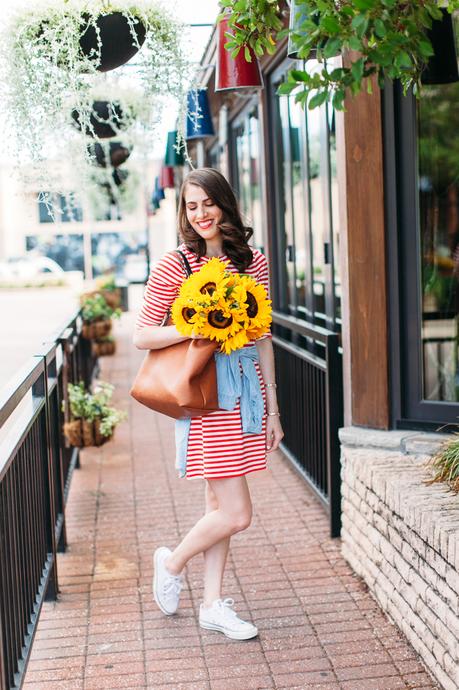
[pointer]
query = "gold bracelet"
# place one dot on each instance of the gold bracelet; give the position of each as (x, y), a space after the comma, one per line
(273, 414)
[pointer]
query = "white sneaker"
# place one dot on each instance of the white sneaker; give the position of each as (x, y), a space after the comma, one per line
(220, 616)
(166, 587)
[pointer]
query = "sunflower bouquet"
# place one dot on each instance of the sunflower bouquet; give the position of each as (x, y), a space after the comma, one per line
(230, 308)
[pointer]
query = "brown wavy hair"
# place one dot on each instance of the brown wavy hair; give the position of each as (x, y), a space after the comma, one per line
(234, 233)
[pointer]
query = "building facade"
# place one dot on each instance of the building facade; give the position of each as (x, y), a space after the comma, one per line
(358, 214)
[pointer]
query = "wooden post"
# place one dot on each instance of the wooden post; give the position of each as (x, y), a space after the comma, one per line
(364, 278)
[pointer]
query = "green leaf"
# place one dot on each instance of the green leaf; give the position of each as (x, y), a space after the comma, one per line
(337, 74)
(285, 88)
(402, 59)
(425, 48)
(247, 55)
(355, 43)
(302, 97)
(317, 100)
(364, 4)
(360, 24)
(380, 28)
(338, 99)
(299, 75)
(332, 47)
(330, 24)
(357, 69)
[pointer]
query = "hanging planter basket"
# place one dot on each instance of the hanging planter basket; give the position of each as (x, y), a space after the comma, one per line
(96, 329)
(114, 35)
(82, 433)
(54, 55)
(103, 348)
(113, 155)
(112, 297)
(105, 120)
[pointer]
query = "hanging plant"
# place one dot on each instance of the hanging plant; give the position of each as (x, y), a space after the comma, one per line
(111, 153)
(112, 40)
(117, 187)
(388, 39)
(46, 76)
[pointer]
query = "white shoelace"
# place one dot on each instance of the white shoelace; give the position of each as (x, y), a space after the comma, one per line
(225, 605)
(172, 585)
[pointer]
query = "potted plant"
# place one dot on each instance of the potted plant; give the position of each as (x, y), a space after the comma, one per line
(109, 289)
(46, 76)
(97, 317)
(106, 286)
(103, 347)
(385, 38)
(444, 464)
(92, 419)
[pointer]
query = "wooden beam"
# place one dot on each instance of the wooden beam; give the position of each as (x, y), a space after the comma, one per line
(365, 275)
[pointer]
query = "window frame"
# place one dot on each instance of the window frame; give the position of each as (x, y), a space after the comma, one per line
(409, 410)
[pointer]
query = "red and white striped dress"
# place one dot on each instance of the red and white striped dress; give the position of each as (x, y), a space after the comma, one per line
(217, 446)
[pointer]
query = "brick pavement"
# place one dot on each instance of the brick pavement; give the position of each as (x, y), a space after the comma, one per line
(318, 626)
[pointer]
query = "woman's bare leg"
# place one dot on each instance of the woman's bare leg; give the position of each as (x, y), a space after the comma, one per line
(214, 557)
(233, 514)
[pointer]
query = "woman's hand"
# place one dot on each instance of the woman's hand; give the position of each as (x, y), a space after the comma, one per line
(274, 433)
(198, 337)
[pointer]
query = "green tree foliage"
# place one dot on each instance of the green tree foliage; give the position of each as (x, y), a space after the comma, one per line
(387, 38)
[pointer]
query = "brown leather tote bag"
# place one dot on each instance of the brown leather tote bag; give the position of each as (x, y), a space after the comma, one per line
(179, 380)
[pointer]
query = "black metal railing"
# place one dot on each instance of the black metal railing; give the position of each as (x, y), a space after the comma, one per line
(35, 469)
(310, 392)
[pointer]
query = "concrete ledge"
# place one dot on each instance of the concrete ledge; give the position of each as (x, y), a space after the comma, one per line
(402, 537)
(407, 442)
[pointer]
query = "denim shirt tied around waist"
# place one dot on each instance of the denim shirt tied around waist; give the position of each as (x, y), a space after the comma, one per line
(232, 385)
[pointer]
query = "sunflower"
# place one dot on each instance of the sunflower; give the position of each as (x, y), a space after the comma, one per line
(184, 316)
(235, 342)
(258, 307)
(209, 280)
(221, 322)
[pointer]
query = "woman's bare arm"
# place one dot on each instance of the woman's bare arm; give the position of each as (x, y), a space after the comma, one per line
(274, 432)
(155, 337)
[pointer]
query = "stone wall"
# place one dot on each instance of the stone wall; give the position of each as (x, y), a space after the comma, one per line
(402, 537)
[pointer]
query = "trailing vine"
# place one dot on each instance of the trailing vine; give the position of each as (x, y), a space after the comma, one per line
(45, 77)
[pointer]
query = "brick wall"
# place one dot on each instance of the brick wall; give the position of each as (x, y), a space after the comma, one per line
(402, 537)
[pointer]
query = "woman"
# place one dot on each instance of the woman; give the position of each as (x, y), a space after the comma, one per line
(218, 449)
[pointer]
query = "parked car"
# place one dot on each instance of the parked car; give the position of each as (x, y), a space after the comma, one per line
(29, 267)
(36, 271)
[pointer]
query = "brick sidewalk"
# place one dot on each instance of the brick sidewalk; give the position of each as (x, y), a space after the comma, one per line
(318, 627)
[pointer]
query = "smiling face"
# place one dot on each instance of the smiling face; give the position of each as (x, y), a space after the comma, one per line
(202, 212)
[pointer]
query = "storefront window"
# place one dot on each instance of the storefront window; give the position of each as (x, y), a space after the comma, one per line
(246, 173)
(306, 192)
(438, 184)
